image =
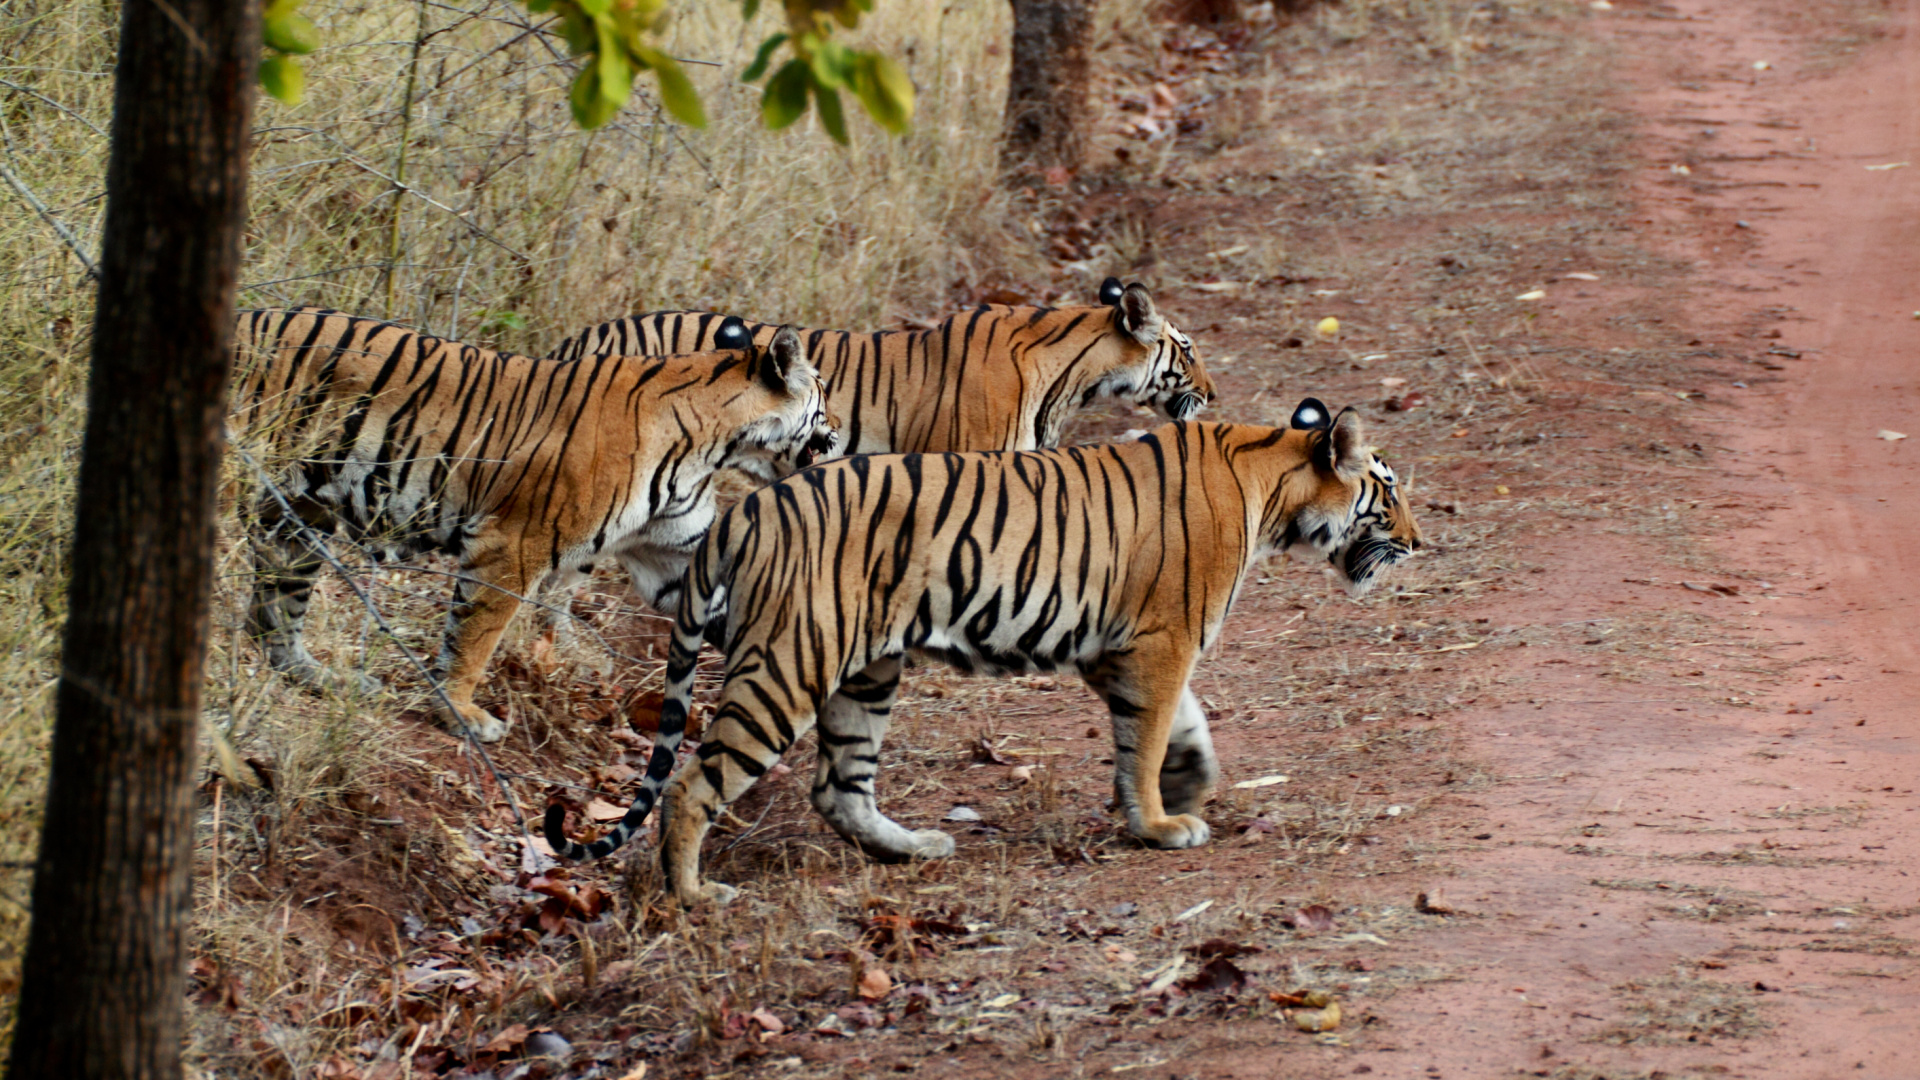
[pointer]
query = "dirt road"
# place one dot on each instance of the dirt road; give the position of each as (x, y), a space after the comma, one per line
(1751, 864)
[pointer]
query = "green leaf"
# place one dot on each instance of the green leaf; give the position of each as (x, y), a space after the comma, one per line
(496, 321)
(281, 76)
(539, 7)
(290, 33)
(785, 99)
(884, 91)
(599, 9)
(578, 29)
(749, 9)
(614, 68)
(676, 90)
(762, 58)
(590, 109)
(827, 100)
(831, 63)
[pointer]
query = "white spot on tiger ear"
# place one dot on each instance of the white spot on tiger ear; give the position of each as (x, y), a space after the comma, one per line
(1309, 417)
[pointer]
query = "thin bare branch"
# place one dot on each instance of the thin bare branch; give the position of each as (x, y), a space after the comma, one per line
(59, 227)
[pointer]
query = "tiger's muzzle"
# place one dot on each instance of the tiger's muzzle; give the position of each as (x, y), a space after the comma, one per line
(1186, 404)
(1363, 559)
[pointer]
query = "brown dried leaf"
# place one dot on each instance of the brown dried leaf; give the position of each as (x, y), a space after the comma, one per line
(875, 982)
(1218, 975)
(1317, 1020)
(643, 712)
(1315, 917)
(985, 754)
(508, 1041)
(1213, 947)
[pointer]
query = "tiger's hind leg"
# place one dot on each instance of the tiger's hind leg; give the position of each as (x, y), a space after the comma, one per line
(1190, 770)
(852, 725)
(485, 596)
(285, 561)
(753, 726)
(556, 598)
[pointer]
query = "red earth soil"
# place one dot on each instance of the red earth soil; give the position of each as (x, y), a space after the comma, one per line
(1798, 219)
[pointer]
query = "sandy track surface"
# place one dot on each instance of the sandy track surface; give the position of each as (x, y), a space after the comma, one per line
(1730, 865)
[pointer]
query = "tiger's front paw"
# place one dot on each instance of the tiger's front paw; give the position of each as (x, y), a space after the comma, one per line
(1178, 831)
(485, 726)
(931, 844)
(714, 893)
(310, 673)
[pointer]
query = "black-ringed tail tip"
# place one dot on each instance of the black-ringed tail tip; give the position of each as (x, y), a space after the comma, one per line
(555, 828)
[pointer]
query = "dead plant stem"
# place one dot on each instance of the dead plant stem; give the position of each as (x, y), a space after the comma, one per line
(400, 157)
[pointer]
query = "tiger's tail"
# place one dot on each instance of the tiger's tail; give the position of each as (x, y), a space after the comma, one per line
(701, 597)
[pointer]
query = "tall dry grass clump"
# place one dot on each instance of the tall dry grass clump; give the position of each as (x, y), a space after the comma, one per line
(433, 176)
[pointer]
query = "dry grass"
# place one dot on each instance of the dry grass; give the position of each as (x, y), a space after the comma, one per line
(1685, 1008)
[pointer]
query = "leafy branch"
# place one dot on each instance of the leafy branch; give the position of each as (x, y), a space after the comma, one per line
(616, 39)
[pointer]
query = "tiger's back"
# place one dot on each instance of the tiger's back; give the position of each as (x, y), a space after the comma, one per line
(994, 378)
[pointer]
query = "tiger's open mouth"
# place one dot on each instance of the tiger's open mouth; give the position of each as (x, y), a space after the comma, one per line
(818, 447)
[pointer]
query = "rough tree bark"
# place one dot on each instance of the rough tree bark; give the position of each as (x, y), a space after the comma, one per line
(1047, 88)
(103, 981)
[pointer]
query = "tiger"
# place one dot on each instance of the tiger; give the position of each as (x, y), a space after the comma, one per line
(1118, 561)
(521, 468)
(994, 378)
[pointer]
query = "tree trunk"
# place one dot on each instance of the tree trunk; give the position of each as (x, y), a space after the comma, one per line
(1047, 89)
(103, 981)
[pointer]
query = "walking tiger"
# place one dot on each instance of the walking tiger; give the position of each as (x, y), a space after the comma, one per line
(1118, 561)
(524, 469)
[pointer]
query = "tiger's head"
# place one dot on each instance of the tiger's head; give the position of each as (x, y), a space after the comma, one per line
(1160, 368)
(1356, 513)
(792, 429)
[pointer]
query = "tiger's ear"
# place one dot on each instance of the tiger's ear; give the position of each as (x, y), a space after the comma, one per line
(783, 364)
(1137, 316)
(1311, 415)
(1110, 292)
(1343, 449)
(732, 334)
